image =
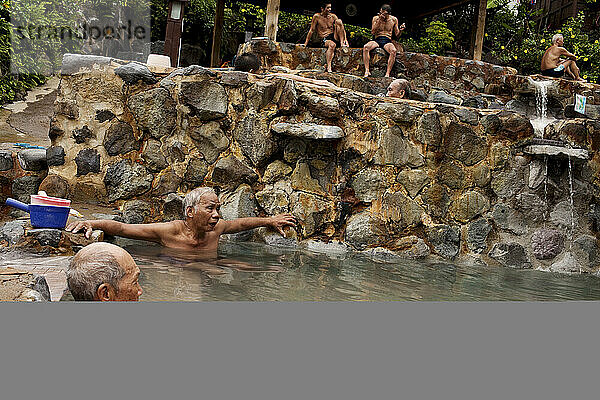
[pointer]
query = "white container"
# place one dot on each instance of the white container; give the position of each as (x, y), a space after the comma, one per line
(159, 60)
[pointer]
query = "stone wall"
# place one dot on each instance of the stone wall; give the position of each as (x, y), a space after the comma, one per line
(436, 78)
(398, 178)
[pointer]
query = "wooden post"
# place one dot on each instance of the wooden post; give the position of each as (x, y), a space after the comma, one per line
(215, 56)
(480, 30)
(272, 19)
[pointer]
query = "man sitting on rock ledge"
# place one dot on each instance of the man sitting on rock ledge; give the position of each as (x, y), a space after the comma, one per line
(384, 26)
(554, 66)
(200, 230)
(330, 30)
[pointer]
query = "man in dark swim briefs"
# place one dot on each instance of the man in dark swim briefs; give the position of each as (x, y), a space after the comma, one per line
(554, 65)
(384, 25)
(330, 29)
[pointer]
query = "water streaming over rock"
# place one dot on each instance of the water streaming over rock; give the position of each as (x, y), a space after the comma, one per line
(541, 102)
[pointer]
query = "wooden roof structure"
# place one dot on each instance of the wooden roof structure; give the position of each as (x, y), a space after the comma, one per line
(355, 12)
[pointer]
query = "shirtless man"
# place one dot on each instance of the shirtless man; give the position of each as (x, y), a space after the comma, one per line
(384, 24)
(553, 65)
(199, 231)
(330, 29)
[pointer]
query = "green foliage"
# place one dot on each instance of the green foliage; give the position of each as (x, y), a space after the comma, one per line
(239, 18)
(437, 39)
(512, 39)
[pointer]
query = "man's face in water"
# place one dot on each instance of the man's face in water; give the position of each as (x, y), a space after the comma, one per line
(326, 10)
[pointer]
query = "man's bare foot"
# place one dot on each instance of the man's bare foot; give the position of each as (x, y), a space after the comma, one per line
(367, 74)
(345, 44)
(387, 75)
(329, 69)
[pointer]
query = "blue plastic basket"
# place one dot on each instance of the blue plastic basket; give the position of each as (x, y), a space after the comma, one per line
(43, 216)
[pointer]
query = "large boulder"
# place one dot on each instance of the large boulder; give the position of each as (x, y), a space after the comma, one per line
(301, 179)
(461, 142)
(365, 229)
(310, 131)
(238, 204)
(32, 159)
(469, 205)
(400, 211)
(547, 243)
(477, 234)
(133, 72)
(368, 185)
(394, 149)
(413, 180)
(444, 239)
(311, 211)
(400, 112)
(125, 179)
(210, 140)
(255, 139)
(119, 139)
(24, 186)
(208, 100)
(230, 172)
(88, 161)
(153, 156)
(136, 211)
(322, 106)
(154, 111)
(510, 255)
(429, 129)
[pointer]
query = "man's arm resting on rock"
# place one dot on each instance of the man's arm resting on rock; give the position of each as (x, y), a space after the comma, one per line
(151, 232)
(243, 224)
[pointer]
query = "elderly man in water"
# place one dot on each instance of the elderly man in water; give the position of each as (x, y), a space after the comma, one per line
(200, 230)
(103, 272)
(399, 88)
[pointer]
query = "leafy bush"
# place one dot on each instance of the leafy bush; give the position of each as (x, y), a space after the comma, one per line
(437, 39)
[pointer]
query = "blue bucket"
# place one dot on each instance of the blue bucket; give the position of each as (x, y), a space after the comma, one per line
(43, 216)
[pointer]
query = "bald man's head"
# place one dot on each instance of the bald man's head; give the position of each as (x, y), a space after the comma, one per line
(103, 272)
(399, 88)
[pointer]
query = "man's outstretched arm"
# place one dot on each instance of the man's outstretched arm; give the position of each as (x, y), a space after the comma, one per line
(277, 223)
(151, 232)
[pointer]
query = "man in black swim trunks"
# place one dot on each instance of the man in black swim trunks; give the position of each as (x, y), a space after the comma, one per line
(330, 29)
(384, 25)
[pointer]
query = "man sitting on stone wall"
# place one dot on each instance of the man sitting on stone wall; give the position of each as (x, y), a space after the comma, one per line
(554, 66)
(384, 25)
(330, 30)
(103, 272)
(199, 231)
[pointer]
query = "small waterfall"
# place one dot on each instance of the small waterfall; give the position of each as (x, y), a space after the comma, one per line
(541, 105)
(571, 202)
(545, 190)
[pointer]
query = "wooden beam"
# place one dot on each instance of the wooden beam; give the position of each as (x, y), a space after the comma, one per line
(479, 33)
(272, 19)
(215, 55)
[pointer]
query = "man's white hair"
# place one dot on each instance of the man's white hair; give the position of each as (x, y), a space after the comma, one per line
(193, 198)
(556, 37)
(90, 269)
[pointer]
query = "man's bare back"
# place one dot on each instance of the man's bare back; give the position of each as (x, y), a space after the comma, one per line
(551, 58)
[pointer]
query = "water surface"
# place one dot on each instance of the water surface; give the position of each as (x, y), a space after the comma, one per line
(255, 272)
